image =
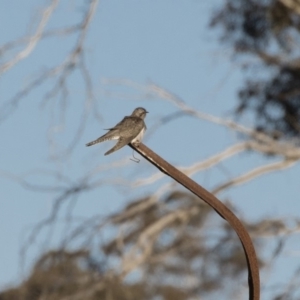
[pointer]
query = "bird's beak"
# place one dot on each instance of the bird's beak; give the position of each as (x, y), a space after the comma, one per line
(147, 112)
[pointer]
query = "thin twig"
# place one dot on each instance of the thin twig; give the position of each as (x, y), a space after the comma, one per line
(33, 40)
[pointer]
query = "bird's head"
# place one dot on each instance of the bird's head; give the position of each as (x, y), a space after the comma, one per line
(140, 112)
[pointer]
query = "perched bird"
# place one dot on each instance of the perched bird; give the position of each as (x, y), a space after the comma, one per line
(130, 130)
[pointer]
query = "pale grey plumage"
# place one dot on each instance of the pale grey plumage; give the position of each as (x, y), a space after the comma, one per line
(130, 129)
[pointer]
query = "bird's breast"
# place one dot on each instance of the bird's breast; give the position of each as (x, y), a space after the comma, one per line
(139, 137)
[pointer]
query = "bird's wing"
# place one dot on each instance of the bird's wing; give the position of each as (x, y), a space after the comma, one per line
(139, 125)
(126, 121)
(121, 143)
(121, 129)
(120, 124)
(134, 123)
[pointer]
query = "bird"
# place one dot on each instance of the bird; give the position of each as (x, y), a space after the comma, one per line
(130, 130)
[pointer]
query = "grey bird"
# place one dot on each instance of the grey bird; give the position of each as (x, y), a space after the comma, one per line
(130, 130)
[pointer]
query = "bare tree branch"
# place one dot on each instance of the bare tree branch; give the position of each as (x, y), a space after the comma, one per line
(293, 5)
(255, 173)
(32, 40)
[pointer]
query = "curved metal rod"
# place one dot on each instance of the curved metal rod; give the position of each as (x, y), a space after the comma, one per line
(218, 206)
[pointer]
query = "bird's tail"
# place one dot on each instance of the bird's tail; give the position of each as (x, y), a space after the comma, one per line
(111, 135)
(94, 142)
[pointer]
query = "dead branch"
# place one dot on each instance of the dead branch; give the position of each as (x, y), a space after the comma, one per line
(32, 40)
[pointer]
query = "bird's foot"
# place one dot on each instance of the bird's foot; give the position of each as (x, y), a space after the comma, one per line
(136, 143)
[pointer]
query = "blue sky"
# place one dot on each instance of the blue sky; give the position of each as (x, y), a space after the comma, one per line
(165, 42)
